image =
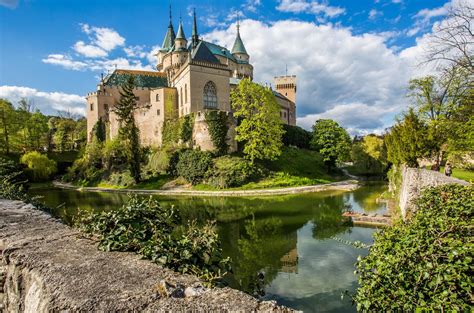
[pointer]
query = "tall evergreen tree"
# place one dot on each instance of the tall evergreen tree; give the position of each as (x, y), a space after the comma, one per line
(128, 131)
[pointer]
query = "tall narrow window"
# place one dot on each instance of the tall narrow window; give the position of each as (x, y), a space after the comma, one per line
(92, 106)
(157, 97)
(210, 96)
(185, 93)
(181, 95)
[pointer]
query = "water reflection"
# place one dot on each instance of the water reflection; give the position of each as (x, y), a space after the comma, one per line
(281, 248)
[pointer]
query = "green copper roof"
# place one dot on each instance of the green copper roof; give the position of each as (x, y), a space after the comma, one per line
(168, 42)
(143, 79)
(238, 44)
(218, 50)
(180, 34)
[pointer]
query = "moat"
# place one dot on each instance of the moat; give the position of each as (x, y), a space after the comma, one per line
(290, 249)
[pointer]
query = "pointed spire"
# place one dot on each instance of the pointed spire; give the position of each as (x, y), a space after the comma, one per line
(180, 34)
(169, 37)
(238, 44)
(195, 36)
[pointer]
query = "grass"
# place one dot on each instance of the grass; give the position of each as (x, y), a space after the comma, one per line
(153, 183)
(295, 167)
(463, 174)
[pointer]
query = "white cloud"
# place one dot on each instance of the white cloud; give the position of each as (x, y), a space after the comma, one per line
(373, 14)
(423, 18)
(65, 61)
(46, 102)
(90, 51)
(309, 6)
(11, 4)
(252, 5)
(135, 52)
(356, 79)
(102, 41)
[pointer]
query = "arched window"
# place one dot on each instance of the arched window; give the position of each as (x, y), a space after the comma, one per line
(157, 97)
(210, 96)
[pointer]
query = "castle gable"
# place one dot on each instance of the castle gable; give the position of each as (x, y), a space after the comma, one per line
(143, 79)
(202, 53)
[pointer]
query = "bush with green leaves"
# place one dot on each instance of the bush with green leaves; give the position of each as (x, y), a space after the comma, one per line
(113, 154)
(39, 166)
(193, 165)
(296, 136)
(426, 263)
(230, 171)
(145, 227)
(217, 122)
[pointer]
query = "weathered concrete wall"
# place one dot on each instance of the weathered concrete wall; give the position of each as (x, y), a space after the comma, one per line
(47, 266)
(414, 180)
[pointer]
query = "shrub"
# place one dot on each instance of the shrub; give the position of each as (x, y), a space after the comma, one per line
(13, 171)
(120, 179)
(113, 154)
(426, 263)
(296, 136)
(193, 165)
(217, 122)
(232, 172)
(39, 166)
(187, 125)
(89, 168)
(159, 161)
(144, 227)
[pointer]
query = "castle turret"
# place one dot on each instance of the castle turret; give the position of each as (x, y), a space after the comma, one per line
(238, 50)
(170, 37)
(195, 36)
(180, 42)
(286, 85)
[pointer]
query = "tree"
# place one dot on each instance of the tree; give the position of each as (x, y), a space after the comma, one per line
(452, 39)
(99, 130)
(407, 140)
(332, 141)
(369, 154)
(260, 127)
(128, 131)
(40, 167)
(7, 125)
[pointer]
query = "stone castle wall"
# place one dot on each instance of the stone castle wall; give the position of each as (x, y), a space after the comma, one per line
(46, 266)
(414, 180)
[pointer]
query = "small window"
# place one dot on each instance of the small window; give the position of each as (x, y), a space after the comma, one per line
(157, 98)
(185, 93)
(284, 114)
(92, 106)
(106, 107)
(158, 112)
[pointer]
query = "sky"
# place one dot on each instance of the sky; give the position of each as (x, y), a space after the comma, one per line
(353, 59)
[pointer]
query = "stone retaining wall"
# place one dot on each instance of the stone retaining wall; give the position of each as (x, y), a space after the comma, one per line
(47, 266)
(414, 180)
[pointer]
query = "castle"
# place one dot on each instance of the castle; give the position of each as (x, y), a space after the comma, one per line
(191, 78)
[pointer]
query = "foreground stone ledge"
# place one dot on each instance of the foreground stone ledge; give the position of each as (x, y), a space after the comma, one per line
(48, 266)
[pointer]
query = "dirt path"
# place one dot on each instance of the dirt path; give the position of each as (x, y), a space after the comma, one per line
(346, 185)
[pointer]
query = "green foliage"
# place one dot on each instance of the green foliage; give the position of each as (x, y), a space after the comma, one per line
(425, 263)
(129, 133)
(407, 140)
(331, 141)
(158, 161)
(187, 124)
(113, 155)
(232, 172)
(369, 155)
(118, 179)
(99, 131)
(39, 166)
(296, 136)
(171, 132)
(89, 168)
(260, 127)
(217, 122)
(145, 227)
(193, 165)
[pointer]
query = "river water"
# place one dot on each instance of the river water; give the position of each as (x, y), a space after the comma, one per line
(292, 249)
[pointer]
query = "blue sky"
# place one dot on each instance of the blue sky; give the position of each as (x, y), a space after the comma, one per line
(351, 57)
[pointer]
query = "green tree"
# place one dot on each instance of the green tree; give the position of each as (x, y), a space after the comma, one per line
(332, 141)
(39, 166)
(99, 130)
(7, 125)
(260, 127)
(128, 131)
(369, 154)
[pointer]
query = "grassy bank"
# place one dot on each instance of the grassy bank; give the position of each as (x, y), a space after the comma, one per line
(463, 174)
(294, 167)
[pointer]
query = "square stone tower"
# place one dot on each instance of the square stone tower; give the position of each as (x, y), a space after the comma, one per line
(286, 85)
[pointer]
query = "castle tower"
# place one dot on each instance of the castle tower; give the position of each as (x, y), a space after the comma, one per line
(238, 50)
(170, 36)
(286, 85)
(180, 42)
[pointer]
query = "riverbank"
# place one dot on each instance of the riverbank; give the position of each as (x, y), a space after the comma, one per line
(347, 185)
(48, 266)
